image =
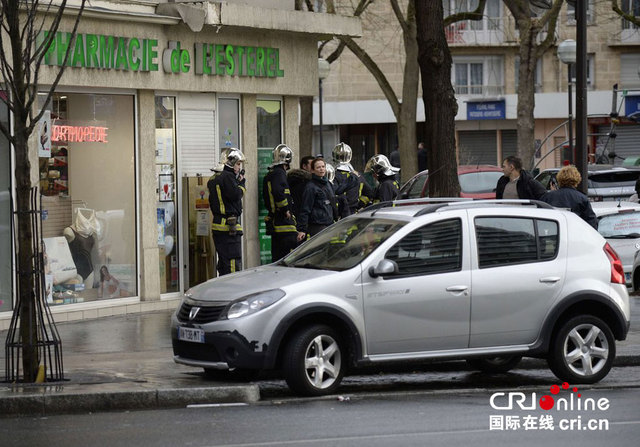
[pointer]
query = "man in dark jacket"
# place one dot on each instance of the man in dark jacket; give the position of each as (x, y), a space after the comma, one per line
(280, 222)
(298, 179)
(567, 196)
(517, 183)
(226, 189)
(388, 188)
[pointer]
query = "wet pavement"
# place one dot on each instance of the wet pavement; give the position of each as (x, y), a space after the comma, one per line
(126, 362)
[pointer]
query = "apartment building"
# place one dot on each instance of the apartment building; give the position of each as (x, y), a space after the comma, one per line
(485, 77)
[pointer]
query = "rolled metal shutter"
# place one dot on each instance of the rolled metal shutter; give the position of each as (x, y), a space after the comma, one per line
(625, 144)
(477, 147)
(509, 143)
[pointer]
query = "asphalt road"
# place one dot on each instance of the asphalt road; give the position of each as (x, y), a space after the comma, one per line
(405, 419)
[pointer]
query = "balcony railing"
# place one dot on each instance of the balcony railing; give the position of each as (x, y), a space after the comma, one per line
(479, 90)
(488, 31)
(630, 33)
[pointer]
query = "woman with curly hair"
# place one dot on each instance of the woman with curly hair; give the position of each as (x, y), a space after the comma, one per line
(567, 196)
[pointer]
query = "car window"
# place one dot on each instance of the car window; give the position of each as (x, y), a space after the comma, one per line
(545, 179)
(515, 240)
(620, 225)
(343, 245)
(417, 187)
(434, 248)
(613, 179)
(479, 182)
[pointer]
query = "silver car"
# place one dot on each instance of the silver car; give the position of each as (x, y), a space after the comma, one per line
(487, 281)
(619, 224)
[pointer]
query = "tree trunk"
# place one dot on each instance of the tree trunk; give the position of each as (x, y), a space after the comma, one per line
(306, 127)
(28, 327)
(440, 104)
(407, 139)
(526, 96)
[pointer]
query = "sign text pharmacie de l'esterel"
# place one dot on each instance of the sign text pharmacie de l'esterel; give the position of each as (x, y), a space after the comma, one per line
(102, 52)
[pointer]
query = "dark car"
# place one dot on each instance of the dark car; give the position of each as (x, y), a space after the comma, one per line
(476, 182)
(605, 182)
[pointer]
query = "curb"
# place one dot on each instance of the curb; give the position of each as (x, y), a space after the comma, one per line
(42, 404)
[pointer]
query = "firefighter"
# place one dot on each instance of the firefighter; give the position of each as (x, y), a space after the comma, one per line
(388, 188)
(348, 182)
(226, 189)
(280, 222)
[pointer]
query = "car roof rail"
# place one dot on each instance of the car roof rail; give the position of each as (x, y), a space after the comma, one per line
(478, 203)
(417, 201)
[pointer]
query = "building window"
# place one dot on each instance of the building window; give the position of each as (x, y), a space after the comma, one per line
(590, 72)
(491, 20)
(478, 75)
(630, 7)
(87, 180)
(537, 75)
(571, 13)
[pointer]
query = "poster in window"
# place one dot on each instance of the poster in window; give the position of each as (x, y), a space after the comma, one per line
(44, 135)
(164, 146)
(165, 187)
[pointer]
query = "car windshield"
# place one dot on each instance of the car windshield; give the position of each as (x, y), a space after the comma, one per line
(343, 245)
(620, 225)
(613, 179)
(479, 182)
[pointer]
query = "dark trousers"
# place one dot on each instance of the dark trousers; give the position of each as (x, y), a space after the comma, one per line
(282, 244)
(229, 251)
(314, 229)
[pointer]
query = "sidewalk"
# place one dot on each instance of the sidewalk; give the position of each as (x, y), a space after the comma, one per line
(126, 362)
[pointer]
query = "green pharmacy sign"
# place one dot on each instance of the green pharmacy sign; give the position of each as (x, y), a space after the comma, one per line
(94, 51)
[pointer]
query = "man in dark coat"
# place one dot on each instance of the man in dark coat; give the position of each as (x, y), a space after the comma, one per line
(517, 183)
(226, 189)
(298, 179)
(388, 188)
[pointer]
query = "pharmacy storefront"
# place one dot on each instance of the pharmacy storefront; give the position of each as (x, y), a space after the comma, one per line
(126, 147)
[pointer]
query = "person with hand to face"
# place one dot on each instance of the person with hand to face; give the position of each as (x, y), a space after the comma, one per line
(318, 209)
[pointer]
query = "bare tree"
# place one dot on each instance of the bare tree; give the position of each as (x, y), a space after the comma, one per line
(440, 105)
(532, 48)
(28, 28)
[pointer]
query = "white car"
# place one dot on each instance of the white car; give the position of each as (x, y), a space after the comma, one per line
(619, 224)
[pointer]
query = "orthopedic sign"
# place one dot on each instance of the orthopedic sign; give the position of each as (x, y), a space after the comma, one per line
(95, 51)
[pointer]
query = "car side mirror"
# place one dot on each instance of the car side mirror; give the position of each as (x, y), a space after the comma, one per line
(384, 267)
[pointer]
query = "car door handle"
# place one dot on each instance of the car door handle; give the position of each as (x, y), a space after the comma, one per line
(550, 279)
(457, 289)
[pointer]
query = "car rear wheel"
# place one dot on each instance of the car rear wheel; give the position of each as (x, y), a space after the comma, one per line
(313, 361)
(495, 364)
(582, 350)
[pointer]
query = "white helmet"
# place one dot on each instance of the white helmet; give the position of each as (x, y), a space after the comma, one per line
(224, 152)
(282, 155)
(342, 154)
(233, 156)
(380, 165)
(331, 172)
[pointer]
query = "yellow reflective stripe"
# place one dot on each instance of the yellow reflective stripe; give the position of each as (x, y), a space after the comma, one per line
(243, 189)
(286, 191)
(282, 203)
(284, 228)
(219, 192)
(219, 227)
(233, 265)
(272, 206)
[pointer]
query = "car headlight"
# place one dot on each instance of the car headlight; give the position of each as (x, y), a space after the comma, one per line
(254, 303)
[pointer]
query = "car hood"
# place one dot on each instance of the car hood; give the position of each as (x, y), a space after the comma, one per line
(250, 281)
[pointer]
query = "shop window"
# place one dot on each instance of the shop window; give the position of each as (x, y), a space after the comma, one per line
(5, 213)
(168, 235)
(229, 122)
(87, 179)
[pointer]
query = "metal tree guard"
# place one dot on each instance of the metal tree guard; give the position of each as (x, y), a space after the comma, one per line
(48, 343)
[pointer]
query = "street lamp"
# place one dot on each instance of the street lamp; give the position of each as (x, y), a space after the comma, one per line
(323, 72)
(567, 55)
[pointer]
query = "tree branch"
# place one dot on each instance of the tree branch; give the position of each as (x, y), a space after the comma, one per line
(551, 20)
(476, 14)
(398, 12)
(376, 72)
(625, 15)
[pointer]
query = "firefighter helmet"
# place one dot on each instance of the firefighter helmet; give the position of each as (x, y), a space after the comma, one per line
(282, 155)
(380, 165)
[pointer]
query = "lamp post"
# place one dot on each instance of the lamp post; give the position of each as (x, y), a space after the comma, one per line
(581, 91)
(567, 55)
(323, 72)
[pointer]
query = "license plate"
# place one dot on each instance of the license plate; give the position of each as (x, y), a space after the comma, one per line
(190, 334)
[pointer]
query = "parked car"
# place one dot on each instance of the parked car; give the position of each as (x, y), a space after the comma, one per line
(619, 224)
(485, 281)
(604, 182)
(476, 181)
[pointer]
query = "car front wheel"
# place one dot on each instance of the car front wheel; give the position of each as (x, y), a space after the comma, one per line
(582, 350)
(313, 361)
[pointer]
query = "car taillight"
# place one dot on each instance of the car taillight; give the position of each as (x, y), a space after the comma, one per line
(617, 272)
